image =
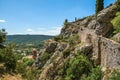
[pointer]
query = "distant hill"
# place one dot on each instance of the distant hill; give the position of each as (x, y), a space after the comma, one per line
(23, 39)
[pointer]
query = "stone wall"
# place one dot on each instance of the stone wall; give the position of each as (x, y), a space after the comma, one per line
(107, 52)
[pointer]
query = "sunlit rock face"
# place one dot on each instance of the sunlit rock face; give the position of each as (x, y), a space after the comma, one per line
(107, 52)
(93, 32)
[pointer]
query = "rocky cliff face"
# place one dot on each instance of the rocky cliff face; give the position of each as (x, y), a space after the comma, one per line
(88, 35)
(107, 52)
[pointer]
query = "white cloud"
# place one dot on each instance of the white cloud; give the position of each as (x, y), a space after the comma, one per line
(30, 30)
(2, 21)
(44, 31)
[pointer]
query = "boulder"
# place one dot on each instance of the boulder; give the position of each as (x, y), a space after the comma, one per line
(86, 48)
(51, 47)
(62, 46)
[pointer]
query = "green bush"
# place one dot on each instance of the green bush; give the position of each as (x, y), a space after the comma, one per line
(9, 58)
(80, 68)
(2, 55)
(89, 18)
(57, 38)
(74, 39)
(95, 74)
(2, 36)
(31, 74)
(19, 56)
(10, 63)
(28, 73)
(115, 75)
(62, 71)
(77, 67)
(44, 57)
(20, 68)
(116, 23)
(66, 22)
(28, 62)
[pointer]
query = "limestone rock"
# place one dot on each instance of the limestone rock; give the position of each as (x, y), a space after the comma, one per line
(93, 33)
(51, 47)
(62, 46)
(87, 48)
(107, 52)
(117, 37)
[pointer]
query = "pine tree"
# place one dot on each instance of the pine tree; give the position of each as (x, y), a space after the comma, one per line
(99, 5)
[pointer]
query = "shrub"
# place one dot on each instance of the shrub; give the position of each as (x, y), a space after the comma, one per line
(73, 39)
(62, 71)
(2, 37)
(9, 58)
(19, 56)
(116, 23)
(115, 75)
(57, 38)
(1, 55)
(10, 63)
(66, 22)
(44, 57)
(80, 68)
(28, 73)
(65, 39)
(95, 74)
(89, 18)
(20, 68)
(31, 74)
(77, 67)
(28, 62)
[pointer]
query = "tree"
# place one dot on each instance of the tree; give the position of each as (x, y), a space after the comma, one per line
(99, 5)
(2, 37)
(66, 22)
(6, 53)
(77, 67)
(9, 57)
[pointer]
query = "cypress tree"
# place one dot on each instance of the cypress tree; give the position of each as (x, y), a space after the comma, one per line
(99, 5)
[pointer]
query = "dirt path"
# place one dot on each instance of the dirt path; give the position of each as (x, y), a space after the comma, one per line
(11, 77)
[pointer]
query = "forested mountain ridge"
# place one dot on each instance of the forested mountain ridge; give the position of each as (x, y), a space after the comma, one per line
(23, 39)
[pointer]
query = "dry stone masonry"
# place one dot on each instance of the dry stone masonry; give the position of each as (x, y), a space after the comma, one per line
(93, 32)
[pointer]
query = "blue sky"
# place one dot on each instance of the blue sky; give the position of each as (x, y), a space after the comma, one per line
(42, 16)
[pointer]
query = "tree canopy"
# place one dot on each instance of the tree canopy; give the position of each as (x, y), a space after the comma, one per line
(99, 5)
(2, 37)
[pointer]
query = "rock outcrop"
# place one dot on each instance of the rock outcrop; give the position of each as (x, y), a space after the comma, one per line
(93, 32)
(116, 37)
(107, 52)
